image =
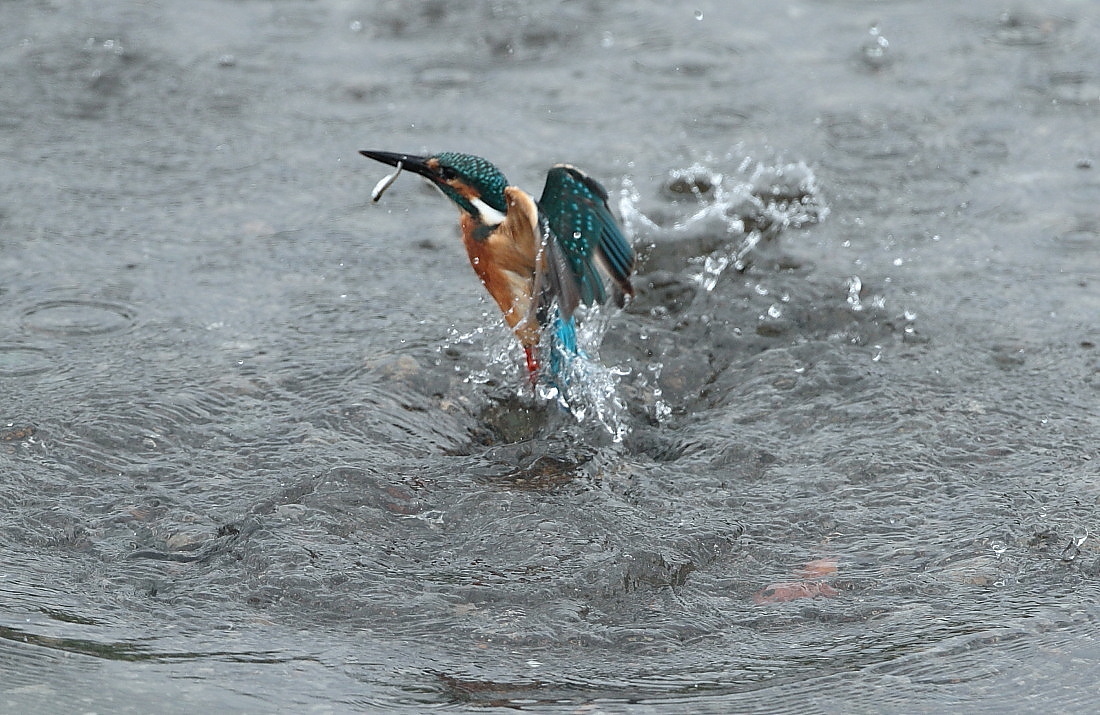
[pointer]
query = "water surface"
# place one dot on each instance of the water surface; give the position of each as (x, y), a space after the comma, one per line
(265, 447)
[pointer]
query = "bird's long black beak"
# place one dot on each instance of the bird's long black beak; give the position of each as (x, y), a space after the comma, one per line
(408, 162)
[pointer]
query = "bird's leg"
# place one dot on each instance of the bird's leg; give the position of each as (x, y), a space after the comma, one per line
(532, 363)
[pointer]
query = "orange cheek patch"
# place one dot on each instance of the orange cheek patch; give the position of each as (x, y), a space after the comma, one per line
(465, 190)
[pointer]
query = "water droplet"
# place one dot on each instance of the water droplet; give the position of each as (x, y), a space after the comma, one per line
(774, 311)
(874, 49)
(713, 266)
(356, 26)
(855, 286)
(698, 14)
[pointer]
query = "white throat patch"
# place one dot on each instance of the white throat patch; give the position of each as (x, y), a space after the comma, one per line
(489, 215)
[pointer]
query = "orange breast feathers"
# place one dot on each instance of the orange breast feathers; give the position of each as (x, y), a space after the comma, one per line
(509, 261)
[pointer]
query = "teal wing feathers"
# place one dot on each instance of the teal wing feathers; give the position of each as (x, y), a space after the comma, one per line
(587, 250)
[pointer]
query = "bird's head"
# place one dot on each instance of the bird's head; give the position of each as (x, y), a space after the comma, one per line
(470, 181)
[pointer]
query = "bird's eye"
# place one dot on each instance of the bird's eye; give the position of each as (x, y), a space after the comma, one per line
(448, 173)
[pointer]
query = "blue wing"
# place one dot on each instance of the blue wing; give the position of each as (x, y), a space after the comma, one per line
(590, 259)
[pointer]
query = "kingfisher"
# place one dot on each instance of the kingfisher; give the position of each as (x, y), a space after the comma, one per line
(539, 260)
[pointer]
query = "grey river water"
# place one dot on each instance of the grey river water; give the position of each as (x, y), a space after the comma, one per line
(265, 446)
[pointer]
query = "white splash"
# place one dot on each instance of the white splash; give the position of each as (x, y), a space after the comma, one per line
(592, 388)
(743, 206)
(589, 389)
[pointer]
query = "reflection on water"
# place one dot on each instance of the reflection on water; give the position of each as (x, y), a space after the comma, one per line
(266, 449)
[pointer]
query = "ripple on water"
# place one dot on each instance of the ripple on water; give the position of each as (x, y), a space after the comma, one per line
(865, 192)
(1084, 233)
(933, 191)
(1073, 87)
(77, 317)
(984, 143)
(720, 118)
(870, 137)
(23, 361)
(1024, 29)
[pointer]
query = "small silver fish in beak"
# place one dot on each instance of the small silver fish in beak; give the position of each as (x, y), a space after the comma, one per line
(385, 183)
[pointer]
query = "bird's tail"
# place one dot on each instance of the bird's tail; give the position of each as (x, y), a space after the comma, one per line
(574, 377)
(563, 351)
